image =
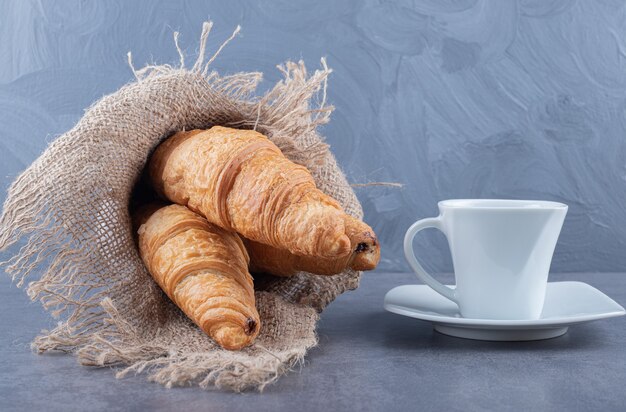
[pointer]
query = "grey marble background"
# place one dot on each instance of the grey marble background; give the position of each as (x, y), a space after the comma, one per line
(513, 99)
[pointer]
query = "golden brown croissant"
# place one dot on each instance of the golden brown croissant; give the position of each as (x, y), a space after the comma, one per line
(240, 181)
(281, 262)
(203, 269)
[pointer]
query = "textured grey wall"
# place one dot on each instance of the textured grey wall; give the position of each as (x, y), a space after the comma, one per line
(514, 99)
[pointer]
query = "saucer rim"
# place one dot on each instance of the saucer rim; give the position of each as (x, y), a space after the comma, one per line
(513, 323)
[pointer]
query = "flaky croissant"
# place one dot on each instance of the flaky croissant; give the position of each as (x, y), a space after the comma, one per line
(203, 269)
(280, 262)
(240, 181)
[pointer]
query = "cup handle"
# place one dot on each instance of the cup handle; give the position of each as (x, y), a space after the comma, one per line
(433, 222)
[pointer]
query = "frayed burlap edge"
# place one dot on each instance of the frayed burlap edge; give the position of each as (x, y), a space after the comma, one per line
(85, 283)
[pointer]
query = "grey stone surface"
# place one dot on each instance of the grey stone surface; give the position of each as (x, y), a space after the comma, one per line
(367, 360)
(466, 98)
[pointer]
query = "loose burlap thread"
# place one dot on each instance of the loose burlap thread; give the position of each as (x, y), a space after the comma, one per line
(70, 209)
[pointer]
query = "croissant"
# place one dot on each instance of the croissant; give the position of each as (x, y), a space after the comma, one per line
(240, 181)
(280, 262)
(203, 269)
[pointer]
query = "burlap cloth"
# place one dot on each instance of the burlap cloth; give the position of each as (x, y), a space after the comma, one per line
(70, 207)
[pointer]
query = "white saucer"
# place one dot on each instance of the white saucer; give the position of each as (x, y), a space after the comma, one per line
(567, 303)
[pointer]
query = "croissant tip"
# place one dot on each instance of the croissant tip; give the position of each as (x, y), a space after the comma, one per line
(361, 247)
(250, 326)
(367, 253)
(369, 243)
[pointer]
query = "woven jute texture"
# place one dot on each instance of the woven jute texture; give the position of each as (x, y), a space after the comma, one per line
(69, 209)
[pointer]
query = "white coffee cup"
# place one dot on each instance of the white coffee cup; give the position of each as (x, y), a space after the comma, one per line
(501, 252)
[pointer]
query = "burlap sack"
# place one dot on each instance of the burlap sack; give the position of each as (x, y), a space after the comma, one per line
(71, 208)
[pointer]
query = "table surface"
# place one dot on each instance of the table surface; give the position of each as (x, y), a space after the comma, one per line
(367, 359)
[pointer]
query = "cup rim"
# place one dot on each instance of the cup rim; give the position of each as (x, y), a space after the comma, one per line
(500, 204)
